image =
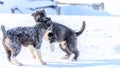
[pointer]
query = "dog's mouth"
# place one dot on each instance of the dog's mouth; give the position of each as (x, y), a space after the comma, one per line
(52, 37)
(46, 22)
(50, 34)
(47, 25)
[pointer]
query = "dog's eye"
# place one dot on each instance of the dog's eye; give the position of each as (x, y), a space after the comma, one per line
(42, 15)
(45, 21)
(40, 20)
(49, 19)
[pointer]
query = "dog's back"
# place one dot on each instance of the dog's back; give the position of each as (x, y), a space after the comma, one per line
(23, 35)
(62, 31)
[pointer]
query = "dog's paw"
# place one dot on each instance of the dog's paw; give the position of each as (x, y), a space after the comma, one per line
(18, 64)
(64, 57)
(43, 63)
(73, 60)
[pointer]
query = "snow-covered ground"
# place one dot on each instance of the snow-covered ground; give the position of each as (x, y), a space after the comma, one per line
(99, 45)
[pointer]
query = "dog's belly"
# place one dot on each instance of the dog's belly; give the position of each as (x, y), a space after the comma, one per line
(28, 41)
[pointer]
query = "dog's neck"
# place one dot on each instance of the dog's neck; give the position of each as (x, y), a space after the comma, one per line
(40, 27)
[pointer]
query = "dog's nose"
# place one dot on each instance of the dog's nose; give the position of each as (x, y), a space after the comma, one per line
(50, 34)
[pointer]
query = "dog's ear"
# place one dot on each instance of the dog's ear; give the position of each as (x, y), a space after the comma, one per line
(49, 18)
(44, 13)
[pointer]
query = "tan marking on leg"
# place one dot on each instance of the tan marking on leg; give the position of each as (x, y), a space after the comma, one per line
(31, 48)
(39, 57)
(8, 42)
(46, 36)
(64, 45)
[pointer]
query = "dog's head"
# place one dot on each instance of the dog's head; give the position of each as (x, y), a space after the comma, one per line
(39, 14)
(46, 22)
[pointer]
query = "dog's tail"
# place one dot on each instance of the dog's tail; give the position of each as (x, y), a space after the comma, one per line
(7, 49)
(82, 29)
(3, 31)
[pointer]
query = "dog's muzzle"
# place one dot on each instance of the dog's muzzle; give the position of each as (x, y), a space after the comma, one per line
(52, 37)
(47, 25)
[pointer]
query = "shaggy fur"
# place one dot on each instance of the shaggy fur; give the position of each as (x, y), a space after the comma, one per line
(26, 36)
(66, 37)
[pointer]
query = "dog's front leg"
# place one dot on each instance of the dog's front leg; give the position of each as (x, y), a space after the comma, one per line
(39, 57)
(52, 46)
(31, 48)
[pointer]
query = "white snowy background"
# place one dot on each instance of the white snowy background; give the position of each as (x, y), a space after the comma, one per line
(99, 45)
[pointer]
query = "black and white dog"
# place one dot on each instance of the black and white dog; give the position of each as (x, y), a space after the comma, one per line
(14, 38)
(66, 37)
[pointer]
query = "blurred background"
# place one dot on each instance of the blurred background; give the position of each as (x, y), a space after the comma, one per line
(62, 7)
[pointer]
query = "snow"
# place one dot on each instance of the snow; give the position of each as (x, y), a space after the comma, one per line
(111, 7)
(99, 44)
(82, 10)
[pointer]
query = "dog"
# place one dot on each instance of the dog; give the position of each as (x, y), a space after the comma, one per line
(66, 37)
(38, 14)
(14, 38)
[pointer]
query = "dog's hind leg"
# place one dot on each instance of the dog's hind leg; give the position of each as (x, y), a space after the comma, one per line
(15, 50)
(76, 53)
(12, 51)
(8, 51)
(63, 46)
(15, 62)
(73, 48)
